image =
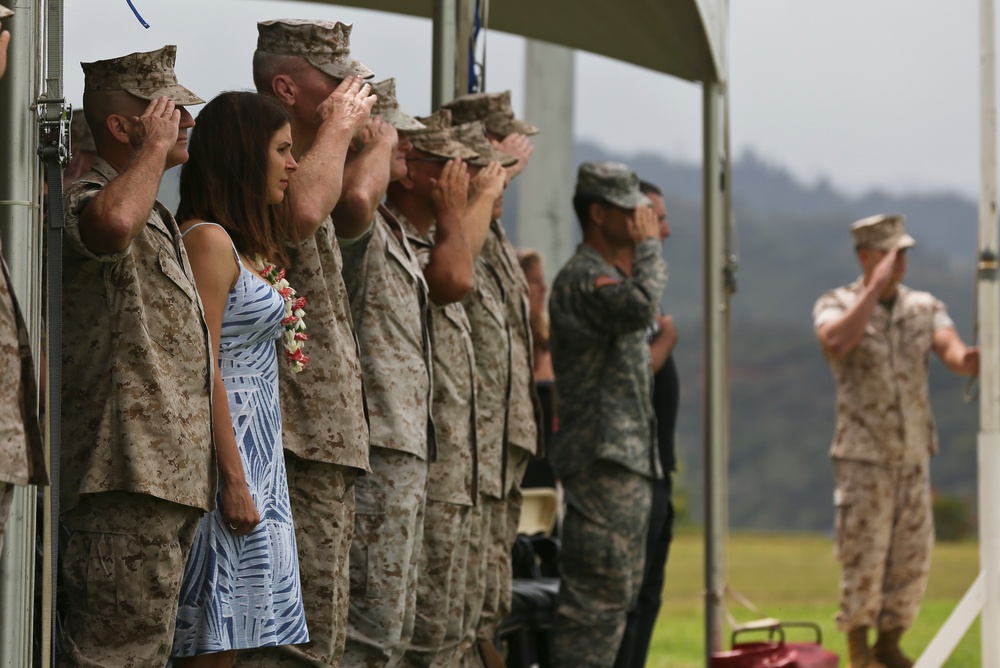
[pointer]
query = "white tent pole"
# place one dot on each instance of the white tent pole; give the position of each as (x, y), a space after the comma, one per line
(715, 301)
(545, 219)
(984, 595)
(445, 36)
(20, 229)
(989, 339)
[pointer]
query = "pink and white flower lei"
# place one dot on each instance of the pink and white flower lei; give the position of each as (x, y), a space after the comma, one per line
(293, 321)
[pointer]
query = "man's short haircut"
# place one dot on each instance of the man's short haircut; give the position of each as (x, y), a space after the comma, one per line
(648, 188)
(268, 65)
(581, 204)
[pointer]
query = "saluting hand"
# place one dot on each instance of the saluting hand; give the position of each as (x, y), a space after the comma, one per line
(350, 104)
(519, 146)
(450, 193)
(644, 225)
(490, 180)
(159, 124)
(376, 130)
(883, 272)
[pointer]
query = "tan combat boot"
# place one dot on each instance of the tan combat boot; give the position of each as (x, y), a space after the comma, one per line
(858, 651)
(888, 652)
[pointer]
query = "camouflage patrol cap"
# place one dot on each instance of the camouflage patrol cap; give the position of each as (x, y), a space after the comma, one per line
(387, 107)
(438, 137)
(145, 74)
(881, 232)
(81, 138)
(493, 109)
(323, 44)
(473, 136)
(612, 182)
(5, 13)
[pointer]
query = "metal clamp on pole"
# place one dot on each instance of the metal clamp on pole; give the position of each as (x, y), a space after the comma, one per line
(987, 266)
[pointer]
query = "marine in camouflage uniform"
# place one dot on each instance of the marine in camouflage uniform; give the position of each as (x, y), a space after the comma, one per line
(22, 459)
(389, 306)
(451, 479)
(605, 449)
(505, 331)
(877, 336)
(324, 416)
(138, 464)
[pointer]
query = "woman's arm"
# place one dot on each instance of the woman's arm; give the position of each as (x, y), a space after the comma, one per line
(215, 274)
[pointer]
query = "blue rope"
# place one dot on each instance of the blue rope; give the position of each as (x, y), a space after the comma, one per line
(476, 27)
(137, 15)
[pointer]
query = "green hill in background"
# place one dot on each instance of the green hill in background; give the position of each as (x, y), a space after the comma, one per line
(793, 244)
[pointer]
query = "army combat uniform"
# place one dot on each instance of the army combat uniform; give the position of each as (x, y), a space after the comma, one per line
(324, 416)
(605, 449)
(885, 436)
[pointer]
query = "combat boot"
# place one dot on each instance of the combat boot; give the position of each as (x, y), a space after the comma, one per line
(888, 652)
(858, 651)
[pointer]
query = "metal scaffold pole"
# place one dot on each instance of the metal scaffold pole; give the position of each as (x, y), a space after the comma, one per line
(988, 294)
(983, 597)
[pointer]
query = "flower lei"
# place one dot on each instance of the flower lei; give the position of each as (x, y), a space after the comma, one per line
(293, 321)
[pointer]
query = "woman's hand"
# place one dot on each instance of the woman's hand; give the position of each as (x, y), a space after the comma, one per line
(239, 512)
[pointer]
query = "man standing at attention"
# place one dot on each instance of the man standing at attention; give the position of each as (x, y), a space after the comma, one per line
(605, 449)
(876, 335)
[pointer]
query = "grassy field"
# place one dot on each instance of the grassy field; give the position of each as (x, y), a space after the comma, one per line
(794, 577)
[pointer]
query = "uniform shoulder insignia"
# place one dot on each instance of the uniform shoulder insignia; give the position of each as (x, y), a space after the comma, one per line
(604, 281)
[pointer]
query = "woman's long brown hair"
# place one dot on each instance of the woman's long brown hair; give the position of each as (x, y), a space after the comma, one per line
(225, 178)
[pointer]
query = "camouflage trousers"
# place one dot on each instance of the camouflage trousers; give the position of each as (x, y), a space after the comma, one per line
(885, 532)
(6, 499)
(477, 564)
(602, 555)
(440, 612)
(122, 570)
(388, 535)
(506, 515)
(322, 497)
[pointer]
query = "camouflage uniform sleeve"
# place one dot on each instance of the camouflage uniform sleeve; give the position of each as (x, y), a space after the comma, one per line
(621, 304)
(827, 309)
(941, 319)
(354, 254)
(77, 197)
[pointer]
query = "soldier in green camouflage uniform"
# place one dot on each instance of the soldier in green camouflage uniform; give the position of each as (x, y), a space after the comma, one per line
(21, 456)
(307, 66)
(138, 465)
(504, 331)
(605, 449)
(876, 335)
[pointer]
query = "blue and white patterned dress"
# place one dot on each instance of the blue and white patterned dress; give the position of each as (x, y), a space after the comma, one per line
(241, 592)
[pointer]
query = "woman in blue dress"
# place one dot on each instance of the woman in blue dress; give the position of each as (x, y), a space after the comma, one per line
(241, 585)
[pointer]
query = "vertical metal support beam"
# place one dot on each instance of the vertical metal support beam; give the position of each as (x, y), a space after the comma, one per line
(545, 218)
(466, 12)
(989, 338)
(20, 229)
(445, 35)
(716, 303)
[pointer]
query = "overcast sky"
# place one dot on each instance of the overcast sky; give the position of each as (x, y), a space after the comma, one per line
(867, 93)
